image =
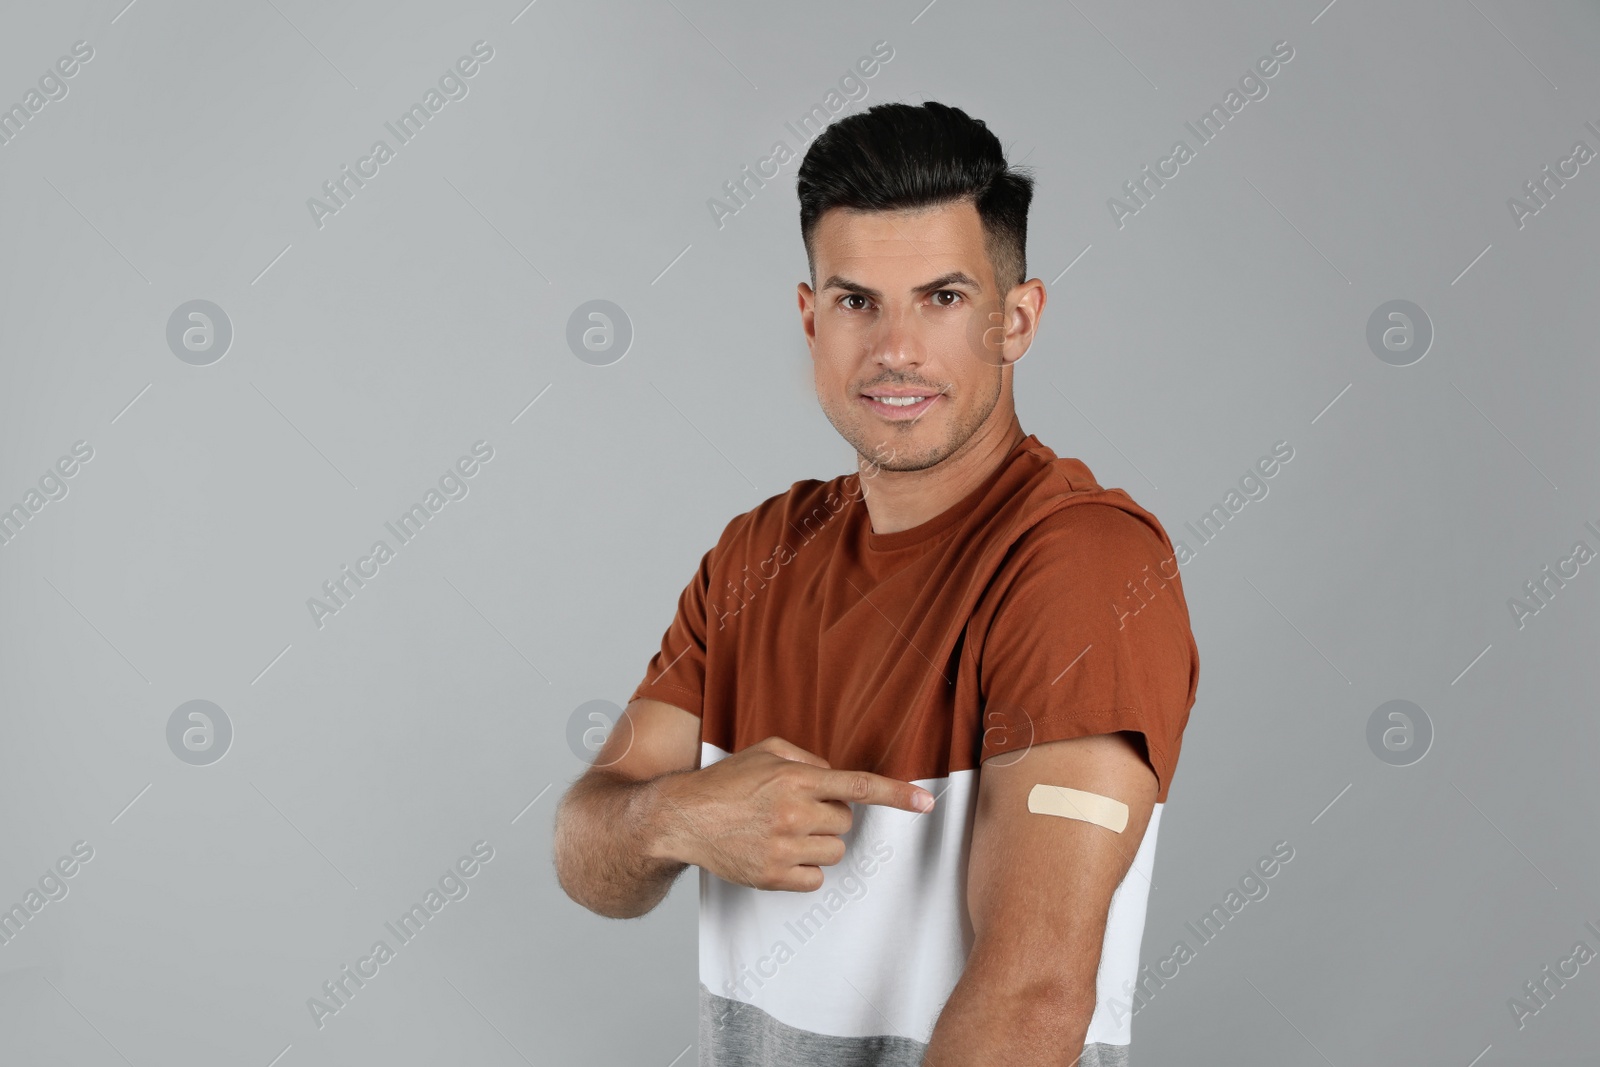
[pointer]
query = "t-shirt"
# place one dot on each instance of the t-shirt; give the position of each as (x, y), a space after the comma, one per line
(1040, 607)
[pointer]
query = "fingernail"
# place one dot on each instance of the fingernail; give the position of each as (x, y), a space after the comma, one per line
(923, 801)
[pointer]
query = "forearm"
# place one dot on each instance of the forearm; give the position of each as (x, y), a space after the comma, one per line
(988, 1023)
(613, 844)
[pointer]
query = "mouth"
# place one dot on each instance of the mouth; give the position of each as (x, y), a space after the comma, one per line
(900, 407)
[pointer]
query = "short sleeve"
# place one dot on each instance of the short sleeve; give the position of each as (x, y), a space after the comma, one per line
(1086, 631)
(676, 674)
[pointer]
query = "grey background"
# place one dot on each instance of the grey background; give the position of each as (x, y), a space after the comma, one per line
(433, 710)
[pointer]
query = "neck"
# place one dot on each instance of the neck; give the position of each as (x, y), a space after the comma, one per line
(899, 500)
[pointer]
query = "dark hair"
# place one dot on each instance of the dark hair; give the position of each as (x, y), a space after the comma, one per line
(897, 155)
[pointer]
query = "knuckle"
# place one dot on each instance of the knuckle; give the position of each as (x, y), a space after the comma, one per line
(860, 787)
(786, 819)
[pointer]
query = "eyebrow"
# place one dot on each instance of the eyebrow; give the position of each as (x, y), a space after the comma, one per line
(944, 281)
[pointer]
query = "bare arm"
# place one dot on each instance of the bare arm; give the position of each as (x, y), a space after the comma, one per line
(613, 843)
(769, 817)
(1039, 890)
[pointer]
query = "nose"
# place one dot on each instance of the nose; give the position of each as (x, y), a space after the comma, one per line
(895, 341)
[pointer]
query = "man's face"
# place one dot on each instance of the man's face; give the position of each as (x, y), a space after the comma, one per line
(897, 332)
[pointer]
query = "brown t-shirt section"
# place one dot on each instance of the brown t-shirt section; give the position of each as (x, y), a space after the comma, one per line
(1040, 607)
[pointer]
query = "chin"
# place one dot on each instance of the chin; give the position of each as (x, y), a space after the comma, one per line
(904, 450)
(911, 446)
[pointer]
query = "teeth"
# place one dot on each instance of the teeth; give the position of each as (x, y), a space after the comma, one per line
(900, 401)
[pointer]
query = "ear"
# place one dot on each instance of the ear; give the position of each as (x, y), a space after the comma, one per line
(808, 315)
(1024, 307)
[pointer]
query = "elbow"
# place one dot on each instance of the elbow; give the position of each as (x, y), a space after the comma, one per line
(1073, 1008)
(564, 877)
(1052, 997)
(577, 875)
(564, 858)
(1040, 999)
(592, 895)
(1053, 1014)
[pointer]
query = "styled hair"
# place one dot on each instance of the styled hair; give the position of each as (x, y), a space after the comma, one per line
(896, 156)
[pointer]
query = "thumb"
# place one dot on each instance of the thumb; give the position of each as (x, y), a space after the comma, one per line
(779, 747)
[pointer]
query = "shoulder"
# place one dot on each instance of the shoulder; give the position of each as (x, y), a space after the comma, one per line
(1098, 528)
(803, 506)
(1083, 551)
(1056, 500)
(1085, 528)
(1077, 576)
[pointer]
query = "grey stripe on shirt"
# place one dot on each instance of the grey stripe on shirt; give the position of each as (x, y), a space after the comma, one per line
(735, 1034)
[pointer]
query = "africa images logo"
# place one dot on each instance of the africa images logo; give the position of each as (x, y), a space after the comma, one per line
(453, 85)
(453, 885)
(1142, 189)
(453, 485)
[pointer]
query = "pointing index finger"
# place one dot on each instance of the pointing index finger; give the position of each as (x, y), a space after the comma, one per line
(864, 787)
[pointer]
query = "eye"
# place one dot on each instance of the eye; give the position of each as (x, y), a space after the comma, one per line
(946, 292)
(852, 296)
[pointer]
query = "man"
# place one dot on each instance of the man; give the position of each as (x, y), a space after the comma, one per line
(915, 724)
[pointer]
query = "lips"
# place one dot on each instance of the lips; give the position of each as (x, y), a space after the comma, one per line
(900, 407)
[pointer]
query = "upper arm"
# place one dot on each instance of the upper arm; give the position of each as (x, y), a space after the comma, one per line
(1086, 632)
(1039, 886)
(651, 738)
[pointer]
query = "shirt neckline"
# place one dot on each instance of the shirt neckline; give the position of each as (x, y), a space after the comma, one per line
(938, 524)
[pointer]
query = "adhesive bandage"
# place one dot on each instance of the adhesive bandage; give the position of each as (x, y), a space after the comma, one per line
(1077, 804)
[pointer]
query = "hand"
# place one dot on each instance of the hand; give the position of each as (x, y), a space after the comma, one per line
(770, 816)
